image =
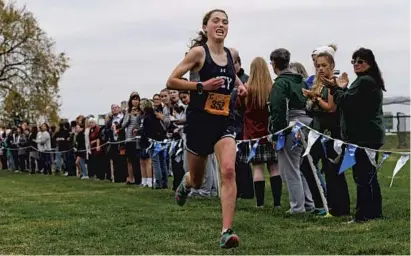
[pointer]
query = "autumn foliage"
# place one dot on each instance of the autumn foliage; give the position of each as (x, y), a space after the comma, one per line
(30, 68)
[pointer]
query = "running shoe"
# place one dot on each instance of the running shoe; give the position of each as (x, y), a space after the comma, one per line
(229, 239)
(182, 192)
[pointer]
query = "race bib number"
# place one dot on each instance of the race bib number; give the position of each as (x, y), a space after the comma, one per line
(218, 104)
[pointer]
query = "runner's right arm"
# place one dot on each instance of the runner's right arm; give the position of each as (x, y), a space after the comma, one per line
(190, 62)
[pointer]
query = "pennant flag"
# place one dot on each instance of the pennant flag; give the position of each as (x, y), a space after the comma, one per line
(172, 147)
(312, 138)
(337, 146)
(237, 148)
(157, 148)
(296, 136)
(296, 129)
(165, 150)
(151, 145)
(349, 158)
(178, 158)
(253, 150)
(180, 148)
(280, 141)
(323, 141)
(384, 157)
(400, 163)
(371, 155)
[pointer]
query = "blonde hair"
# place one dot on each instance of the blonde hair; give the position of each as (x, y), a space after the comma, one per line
(317, 85)
(259, 83)
(145, 103)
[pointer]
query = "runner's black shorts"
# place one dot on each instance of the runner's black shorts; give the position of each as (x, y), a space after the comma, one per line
(204, 130)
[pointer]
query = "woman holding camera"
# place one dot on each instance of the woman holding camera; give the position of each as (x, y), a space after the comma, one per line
(321, 106)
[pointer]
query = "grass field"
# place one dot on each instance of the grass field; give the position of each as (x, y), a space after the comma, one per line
(60, 215)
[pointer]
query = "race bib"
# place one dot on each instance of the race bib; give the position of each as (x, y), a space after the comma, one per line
(218, 104)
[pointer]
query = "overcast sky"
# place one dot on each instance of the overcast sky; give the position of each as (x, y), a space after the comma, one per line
(121, 46)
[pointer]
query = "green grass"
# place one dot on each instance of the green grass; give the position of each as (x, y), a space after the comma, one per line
(392, 142)
(59, 215)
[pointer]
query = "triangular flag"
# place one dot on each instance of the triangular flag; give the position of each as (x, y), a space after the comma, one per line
(323, 141)
(337, 146)
(384, 157)
(149, 147)
(165, 150)
(179, 147)
(312, 138)
(237, 148)
(371, 155)
(178, 158)
(296, 129)
(253, 150)
(400, 163)
(349, 158)
(172, 147)
(157, 148)
(280, 141)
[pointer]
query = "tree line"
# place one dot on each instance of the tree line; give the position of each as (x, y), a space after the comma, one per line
(30, 68)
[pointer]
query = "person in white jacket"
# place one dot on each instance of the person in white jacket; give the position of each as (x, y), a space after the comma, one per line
(44, 147)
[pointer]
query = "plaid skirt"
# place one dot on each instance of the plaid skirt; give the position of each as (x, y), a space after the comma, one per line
(265, 153)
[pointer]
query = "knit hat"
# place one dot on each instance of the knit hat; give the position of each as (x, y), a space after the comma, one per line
(326, 49)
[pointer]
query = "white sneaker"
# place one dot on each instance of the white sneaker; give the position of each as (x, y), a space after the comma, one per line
(85, 178)
(149, 182)
(65, 174)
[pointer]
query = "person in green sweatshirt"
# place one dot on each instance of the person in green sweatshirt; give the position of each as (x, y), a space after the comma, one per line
(362, 125)
(286, 104)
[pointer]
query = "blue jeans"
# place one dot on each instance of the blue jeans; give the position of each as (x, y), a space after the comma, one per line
(83, 167)
(45, 159)
(58, 161)
(68, 159)
(10, 161)
(160, 169)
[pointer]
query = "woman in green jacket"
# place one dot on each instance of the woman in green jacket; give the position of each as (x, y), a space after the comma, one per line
(362, 125)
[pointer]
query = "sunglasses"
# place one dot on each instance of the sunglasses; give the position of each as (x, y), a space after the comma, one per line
(357, 61)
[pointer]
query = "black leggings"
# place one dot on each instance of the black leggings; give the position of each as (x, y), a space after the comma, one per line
(338, 198)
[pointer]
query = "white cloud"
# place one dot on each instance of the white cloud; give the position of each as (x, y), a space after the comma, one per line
(128, 45)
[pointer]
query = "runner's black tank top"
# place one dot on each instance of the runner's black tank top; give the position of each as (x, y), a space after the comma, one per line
(211, 70)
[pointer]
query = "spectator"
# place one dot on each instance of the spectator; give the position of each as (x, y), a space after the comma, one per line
(112, 132)
(254, 107)
(80, 149)
(34, 154)
(131, 124)
(321, 105)
(153, 129)
(22, 143)
(44, 146)
(244, 175)
(62, 143)
(287, 103)
(96, 163)
(362, 124)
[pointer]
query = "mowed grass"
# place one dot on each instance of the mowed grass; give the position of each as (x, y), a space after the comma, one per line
(60, 215)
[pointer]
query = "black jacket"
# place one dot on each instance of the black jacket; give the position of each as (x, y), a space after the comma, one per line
(151, 128)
